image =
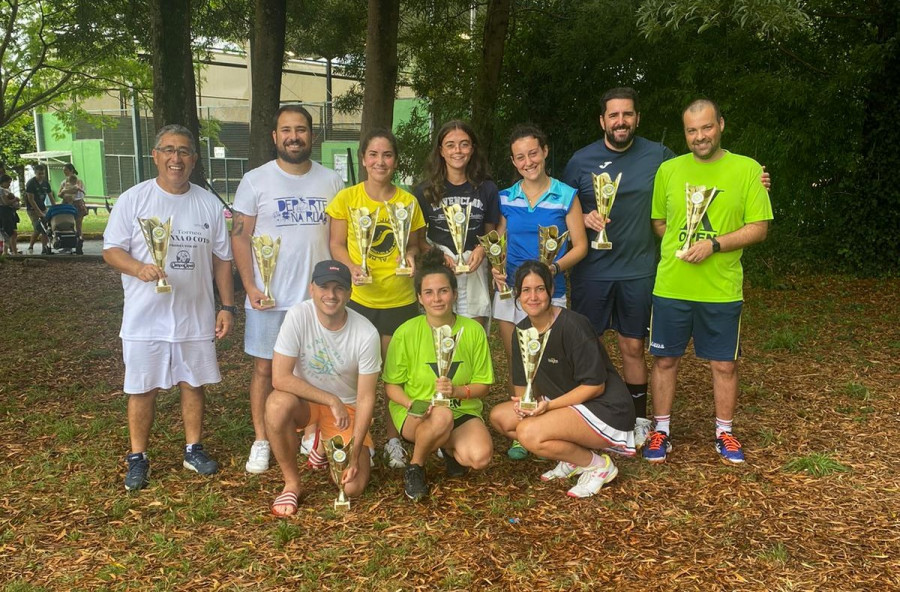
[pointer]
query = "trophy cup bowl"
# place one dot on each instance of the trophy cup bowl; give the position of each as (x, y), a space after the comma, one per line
(697, 200)
(363, 223)
(444, 348)
(531, 347)
(156, 235)
(549, 243)
(495, 250)
(265, 251)
(338, 455)
(458, 225)
(400, 217)
(605, 190)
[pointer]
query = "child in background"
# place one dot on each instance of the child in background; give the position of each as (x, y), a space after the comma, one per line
(74, 187)
(9, 218)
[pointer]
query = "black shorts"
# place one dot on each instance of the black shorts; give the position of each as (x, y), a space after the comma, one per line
(8, 220)
(620, 305)
(386, 320)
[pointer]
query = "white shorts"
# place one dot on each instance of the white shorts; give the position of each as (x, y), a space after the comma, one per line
(508, 310)
(160, 364)
(474, 288)
(261, 329)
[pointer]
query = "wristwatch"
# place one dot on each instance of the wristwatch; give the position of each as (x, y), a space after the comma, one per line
(716, 246)
(229, 308)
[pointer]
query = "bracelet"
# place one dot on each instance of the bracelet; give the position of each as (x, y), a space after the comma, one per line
(229, 308)
(468, 391)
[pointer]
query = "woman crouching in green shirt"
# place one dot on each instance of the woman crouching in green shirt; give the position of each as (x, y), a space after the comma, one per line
(411, 381)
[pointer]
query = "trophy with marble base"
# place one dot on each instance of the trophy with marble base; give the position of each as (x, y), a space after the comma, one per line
(265, 251)
(697, 200)
(338, 455)
(444, 347)
(531, 346)
(400, 217)
(495, 249)
(458, 223)
(550, 241)
(605, 190)
(156, 235)
(363, 223)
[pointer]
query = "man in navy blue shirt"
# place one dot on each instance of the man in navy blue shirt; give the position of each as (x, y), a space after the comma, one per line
(613, 287)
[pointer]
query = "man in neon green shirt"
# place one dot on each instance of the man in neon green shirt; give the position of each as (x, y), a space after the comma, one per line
(698, 294)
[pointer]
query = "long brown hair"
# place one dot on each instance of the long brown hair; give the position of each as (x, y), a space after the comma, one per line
(477, 170)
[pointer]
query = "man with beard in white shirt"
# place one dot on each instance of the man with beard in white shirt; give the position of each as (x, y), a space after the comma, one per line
(169, 338)
(284, 199)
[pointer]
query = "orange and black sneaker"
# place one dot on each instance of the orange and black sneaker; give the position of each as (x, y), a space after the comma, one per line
(656, 447)
(729, 448)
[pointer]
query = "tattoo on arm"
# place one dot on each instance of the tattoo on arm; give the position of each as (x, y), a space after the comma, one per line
(237, 224)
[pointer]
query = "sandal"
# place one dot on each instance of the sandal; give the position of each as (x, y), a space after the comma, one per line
(287, 498)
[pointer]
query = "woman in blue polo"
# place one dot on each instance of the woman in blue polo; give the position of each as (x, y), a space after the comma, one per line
(537, 199)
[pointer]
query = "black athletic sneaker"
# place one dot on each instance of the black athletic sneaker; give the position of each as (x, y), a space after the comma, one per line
(197, 460)
(138, 476)
(454, 469)
(414, 482)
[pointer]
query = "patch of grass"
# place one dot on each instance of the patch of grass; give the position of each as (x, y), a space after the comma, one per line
(855, 390)
(785, 338)
(284, 533)
(767, 437)
(817, 464)
(22, 586)
(777, 553)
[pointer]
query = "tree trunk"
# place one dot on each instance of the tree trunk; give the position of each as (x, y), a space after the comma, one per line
(381, 67)
(174, 87)
(266, 60)
(487, 85)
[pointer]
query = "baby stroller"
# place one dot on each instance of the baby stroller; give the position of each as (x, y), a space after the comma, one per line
(59, 226)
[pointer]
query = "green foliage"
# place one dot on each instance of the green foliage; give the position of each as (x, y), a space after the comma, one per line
(817, 464)
(15, 139)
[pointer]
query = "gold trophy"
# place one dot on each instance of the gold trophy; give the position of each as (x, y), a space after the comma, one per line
(531, 346)
(697, 200)
(444, 348)
(605, 194)
(265, 250)
(364, 227)
(495, 248)
(458, 223)
(549, 243)
(400, 217)
(338, 455)
(156, 235)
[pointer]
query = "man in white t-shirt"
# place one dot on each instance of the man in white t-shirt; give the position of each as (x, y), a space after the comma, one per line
(169, 338)
(325, 367)
(284, 198)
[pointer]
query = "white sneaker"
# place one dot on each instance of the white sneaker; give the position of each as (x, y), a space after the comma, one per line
(593, 478)
(395, 454)
(563, 470)
(307, 443)
(642, 427)
(259, 457)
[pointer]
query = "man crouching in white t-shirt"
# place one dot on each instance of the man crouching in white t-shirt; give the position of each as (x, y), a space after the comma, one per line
(324, 370)
(169, 338)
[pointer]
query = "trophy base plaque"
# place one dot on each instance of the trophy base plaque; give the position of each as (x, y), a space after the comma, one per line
(440, 402)
(505, 295)
(601, 245)
(401, 271)
(366, 279)
(267, 302)
(528, 405)
(341, 505)
(462, 268)
(164, 289)
(680, 253)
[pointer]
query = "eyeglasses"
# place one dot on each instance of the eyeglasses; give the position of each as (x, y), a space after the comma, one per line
(451, 146)
(172, 150)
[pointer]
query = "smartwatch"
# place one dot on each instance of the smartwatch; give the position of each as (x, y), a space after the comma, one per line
(715, 243)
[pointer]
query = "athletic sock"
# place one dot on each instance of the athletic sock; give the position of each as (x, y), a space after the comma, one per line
(597, 460)
(723, 425)
(662, 423)
(639, 398)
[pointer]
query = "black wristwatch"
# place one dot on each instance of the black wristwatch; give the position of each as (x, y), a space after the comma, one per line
(229, 308)
(716, 246)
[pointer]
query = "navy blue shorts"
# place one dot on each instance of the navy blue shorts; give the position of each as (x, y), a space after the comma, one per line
(621, 305)
(715, 327)
(386, 320)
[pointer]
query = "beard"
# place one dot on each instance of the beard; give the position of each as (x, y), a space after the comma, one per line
(299, 158)
(623, 144)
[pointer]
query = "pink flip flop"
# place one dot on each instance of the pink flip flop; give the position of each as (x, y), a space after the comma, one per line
(287, 498)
